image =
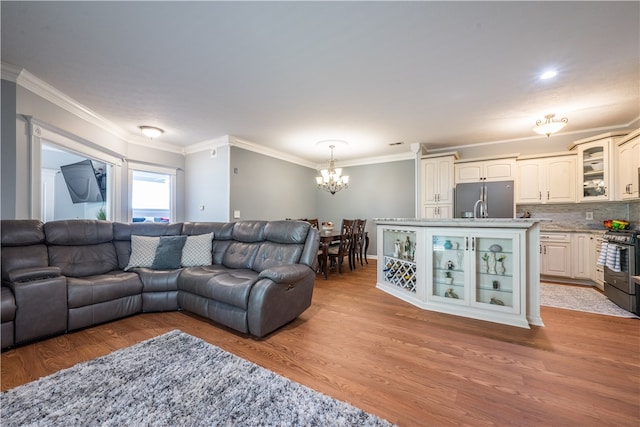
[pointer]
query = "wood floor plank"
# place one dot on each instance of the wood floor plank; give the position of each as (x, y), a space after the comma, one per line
(410, 366)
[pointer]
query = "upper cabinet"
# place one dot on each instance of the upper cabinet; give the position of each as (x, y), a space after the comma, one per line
(628, 170)
(546, 179)
(595, 165)
(437, 186)
(485, 170)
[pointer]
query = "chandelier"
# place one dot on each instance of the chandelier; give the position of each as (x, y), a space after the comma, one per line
(331, 179)
(549, 126)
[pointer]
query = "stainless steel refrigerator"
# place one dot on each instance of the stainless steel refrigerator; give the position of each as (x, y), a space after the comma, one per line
(486, 199)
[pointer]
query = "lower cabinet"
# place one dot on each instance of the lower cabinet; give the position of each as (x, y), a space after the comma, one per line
(477, 273)
(555, 254)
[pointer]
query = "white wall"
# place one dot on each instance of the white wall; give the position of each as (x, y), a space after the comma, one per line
(207, 185)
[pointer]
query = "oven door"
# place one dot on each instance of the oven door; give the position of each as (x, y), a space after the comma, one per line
(620, 279)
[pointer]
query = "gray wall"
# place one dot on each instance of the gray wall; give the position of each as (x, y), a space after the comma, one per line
(263, 187)
(8, 149)
(207, 185)
(383, 190)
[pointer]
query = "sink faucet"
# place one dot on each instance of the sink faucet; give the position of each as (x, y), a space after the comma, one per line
(483, 209)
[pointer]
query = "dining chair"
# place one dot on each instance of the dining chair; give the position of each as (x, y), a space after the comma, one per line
(359, 242)
(344, 249)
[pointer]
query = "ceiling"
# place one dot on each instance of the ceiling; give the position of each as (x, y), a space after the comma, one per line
(285, 75)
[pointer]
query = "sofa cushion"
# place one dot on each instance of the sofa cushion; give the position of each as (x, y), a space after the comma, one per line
(21, 232)
(274, 254)
(227, 285)
(240, 255)
(197, 250)
(78, 232)
(86, 260)
(100, 288)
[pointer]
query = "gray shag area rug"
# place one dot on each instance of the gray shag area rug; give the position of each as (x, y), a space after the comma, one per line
(173, 380)
(579, 298)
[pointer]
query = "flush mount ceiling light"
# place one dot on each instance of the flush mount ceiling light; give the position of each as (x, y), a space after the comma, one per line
(549, 126)
(151, 131)
(331, 179)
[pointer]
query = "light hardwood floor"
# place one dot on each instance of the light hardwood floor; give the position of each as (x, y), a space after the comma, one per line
(410, 366)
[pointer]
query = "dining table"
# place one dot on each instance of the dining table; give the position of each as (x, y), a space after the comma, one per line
(326, 238)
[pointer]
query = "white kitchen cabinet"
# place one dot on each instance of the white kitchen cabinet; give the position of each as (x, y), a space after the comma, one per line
(485, 170)
(555, 254)
(437, 186)
(581, 258)
(595, 166)
(597, 271)
(628, 169)
(437, 211)
(546, 179)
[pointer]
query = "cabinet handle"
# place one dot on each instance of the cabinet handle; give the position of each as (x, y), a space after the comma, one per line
(473, 244)
(547, 195)
(466, 243)
(539, 195)
(545, 250)
(540, 249)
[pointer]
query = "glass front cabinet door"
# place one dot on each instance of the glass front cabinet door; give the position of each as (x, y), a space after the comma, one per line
(478, 274)
(398, 271)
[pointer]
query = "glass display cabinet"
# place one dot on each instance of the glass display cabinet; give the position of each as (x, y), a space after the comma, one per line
(449, 267)
(398, 269)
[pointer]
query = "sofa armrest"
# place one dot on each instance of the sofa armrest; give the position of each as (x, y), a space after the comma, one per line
(285, 273)
(33, 273)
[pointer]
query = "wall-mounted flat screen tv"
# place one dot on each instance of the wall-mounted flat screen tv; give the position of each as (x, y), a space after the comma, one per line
(85, 184)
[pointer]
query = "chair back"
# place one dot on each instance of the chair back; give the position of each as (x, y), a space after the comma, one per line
(349, 227)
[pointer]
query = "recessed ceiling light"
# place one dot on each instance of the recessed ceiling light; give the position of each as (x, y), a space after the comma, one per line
(548, 75)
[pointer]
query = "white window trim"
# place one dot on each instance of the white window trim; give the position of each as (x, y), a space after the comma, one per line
(40, 131)
(131, 166)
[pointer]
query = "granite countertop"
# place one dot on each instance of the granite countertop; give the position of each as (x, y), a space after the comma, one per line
(463, 222)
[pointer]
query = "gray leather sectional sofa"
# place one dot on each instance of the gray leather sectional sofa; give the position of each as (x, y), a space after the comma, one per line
(251, 276)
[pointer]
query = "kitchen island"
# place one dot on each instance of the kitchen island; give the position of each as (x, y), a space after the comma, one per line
(487, 269)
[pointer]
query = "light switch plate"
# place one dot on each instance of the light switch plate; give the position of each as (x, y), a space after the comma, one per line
(236, 214)
(589, 215)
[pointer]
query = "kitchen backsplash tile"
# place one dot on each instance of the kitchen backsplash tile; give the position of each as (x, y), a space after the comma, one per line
(573, 215)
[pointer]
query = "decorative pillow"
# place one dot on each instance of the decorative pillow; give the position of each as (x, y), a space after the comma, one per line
(169, 252)
(156, 252)
(143, 251)
(197, 250)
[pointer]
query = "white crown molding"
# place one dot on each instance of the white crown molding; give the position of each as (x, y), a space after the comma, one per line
(53, 95)
(373, 160)
(10, 72)
(155, 144)
(251, 146)
(209, 144)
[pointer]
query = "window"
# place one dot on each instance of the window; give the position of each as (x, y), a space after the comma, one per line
(152, 195)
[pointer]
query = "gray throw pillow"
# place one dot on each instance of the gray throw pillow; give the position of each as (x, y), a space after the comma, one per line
(169, 252)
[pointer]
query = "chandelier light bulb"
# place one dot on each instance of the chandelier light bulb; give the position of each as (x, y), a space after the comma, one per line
(331, 179)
